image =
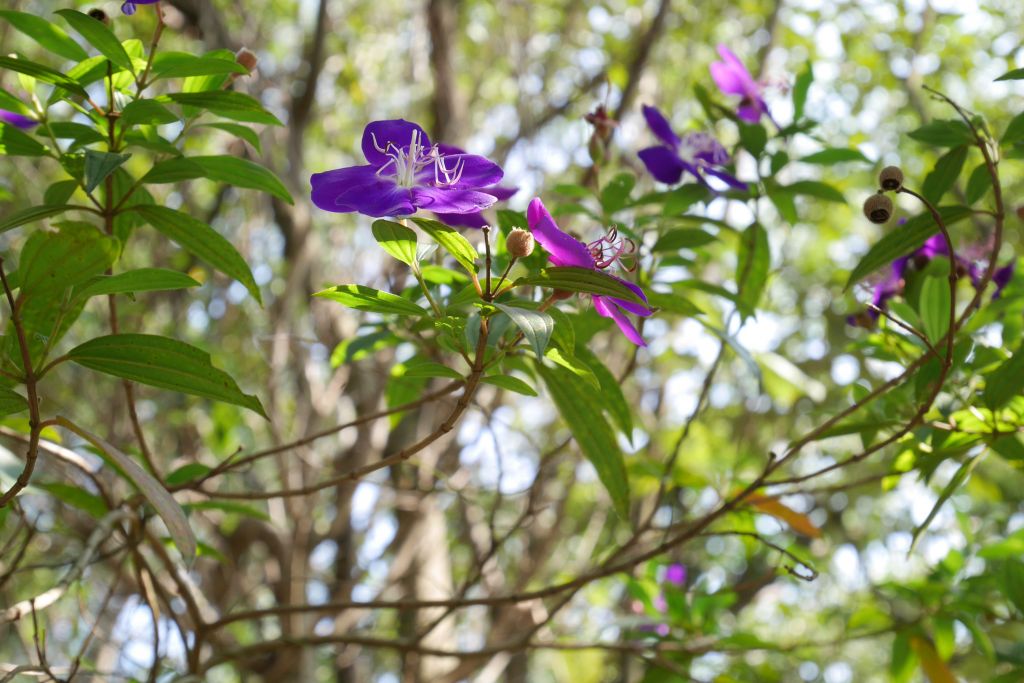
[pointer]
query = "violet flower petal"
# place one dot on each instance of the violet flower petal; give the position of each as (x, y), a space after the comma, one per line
(664, 164)
(17, 120)
(397, 132)
(450, 200)
(564, 249)
(360, 189)
(607, 307)
(660, 126)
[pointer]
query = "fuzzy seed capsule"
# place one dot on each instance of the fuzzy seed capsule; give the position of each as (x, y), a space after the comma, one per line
(519, 243)
(247, 58)
(891, 178)
(99, 15)
(878, 208)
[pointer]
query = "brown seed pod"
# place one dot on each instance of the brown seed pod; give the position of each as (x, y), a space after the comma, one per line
(519, 243)
(247, 58)
(99, 15)
(891, 178)
(878, 208)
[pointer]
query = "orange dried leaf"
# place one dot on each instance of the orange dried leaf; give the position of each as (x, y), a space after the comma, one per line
(797, 521)
(931, 664)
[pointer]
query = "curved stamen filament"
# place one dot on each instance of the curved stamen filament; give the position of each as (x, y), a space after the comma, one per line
(405, 163)
(611, 248)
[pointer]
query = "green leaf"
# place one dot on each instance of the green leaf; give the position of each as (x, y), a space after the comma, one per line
(947, 170)
(149, 112)
(54, 261)
(813, 188)
(752, 265)
(683, 238)
(242, 173)
(536, 326)
(978, 184)
(451, 241)
(674, 303)
(201, 240)
(372, 300)
(901, 240)
(590, 429)
(15, 143)
(154, 492)
(834, 156)
(568, 361)
(239, 131)
(611, 396)
(227, 103)
(163, 363)
(99, 36)
(183, 64)
(141, 280)
(1012, 75)
(1006, 381)
(186, 473)
(427, 369)
(42, 73)
(754, 137)
(903, 661)
(957, 480)
(11, 402)
(48, 35)
(580, 280)
(99, 165)
(934, 308)
(615, 194)
(1014, 130)
(397, 240)
(77, 497)
(945, 133)
(800, 88)
(510, 383)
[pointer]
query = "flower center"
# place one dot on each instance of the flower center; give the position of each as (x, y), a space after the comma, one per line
(407, 162)
(611, 248)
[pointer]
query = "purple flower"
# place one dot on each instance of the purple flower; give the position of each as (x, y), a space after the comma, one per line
(1001, 278)
(676, 574)
(129, 6)
(566, 250)
(732, 78)
(474, 219)
(696, 153)
(406, 173)
(17, 120)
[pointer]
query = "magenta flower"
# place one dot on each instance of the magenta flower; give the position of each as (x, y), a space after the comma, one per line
(406, 173)
(565, 250)
(697, 153)
(732, 78)
(675, 574)
(474, 219)
(129, 6)
(17, 120)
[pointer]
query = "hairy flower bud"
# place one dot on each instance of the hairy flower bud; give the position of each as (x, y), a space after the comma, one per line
(247, 58)
(519, 243)
(99, 15)
(878, 208)
(891, 178)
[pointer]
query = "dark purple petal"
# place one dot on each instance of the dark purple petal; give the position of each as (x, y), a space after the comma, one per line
(632, 307)
(729, 179)
(474, 219)
(450, 200)
(502, 193)
(397, 132)
(934, 246)
(471, 171)
(660, 126)
(608, 308)
(1002, 277)
(17, 120)
(664, 164)
(564, 249)
(676, 574)
(360, 189)
(751, 113)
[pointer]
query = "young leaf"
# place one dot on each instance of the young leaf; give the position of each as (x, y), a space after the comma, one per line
(99, 36)
(580, 280)
(49, 36)
(99, 165)
(141, 280)
(397, 240)
(202, 240)
(590, 429)
(372, 300)
(536, 326)
(452, 242)
(164, 363)
(934, 308)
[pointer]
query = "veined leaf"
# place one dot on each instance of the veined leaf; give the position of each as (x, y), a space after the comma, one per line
(397, 240)
(163, 363)
(452, 242)
(591, 431)
(149, 112)
(141, 280)
(227, 103)
(42, 73)
(580, 280)
(945, 133)
(48, 35)
(202, 240)
(373, 300)
(1006, 381)
(752, 265)
(99, 165)
(99, 36)
(834, 155)
(536, 326)
(935, 308)
(183, 64)
(14, 143)
(11, 402)
(947, 170)
(510, 383)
